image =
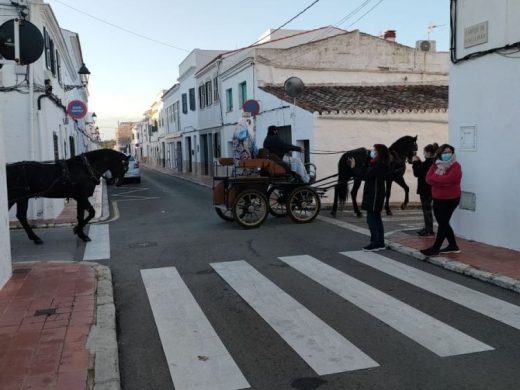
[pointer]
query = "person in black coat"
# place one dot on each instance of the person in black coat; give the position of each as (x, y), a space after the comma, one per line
(374, 193)
(420, 168)
(280, 148)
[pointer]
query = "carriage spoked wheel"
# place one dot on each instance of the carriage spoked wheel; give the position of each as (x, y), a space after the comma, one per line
(303, 205)
(277, 202)
(250, 208)
(226, 215)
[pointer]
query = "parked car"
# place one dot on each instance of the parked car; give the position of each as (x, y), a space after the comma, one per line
(133, 173)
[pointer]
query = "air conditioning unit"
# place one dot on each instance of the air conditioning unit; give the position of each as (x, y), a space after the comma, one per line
(425, 45)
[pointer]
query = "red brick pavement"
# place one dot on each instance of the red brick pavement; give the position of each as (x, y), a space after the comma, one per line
(46, 311)
(485, 257)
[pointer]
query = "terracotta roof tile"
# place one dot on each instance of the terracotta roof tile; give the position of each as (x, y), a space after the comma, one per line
(367, 98)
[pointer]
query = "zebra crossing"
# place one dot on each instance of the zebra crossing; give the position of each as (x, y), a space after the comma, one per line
(198, 359)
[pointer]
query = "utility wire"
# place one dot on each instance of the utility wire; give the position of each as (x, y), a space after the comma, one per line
(365, 14)
(121, 28)
(286, 23)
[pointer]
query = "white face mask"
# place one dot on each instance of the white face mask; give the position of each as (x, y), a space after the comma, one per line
(373, 153)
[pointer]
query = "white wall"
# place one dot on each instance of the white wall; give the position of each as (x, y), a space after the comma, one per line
(5, 243)
(484, 94)
(347, 132)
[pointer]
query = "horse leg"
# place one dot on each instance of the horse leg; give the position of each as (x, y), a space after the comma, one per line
(388, 192)
(400, 181)
(335, 203)
(83, 205)
(353, 194)
(21, 214)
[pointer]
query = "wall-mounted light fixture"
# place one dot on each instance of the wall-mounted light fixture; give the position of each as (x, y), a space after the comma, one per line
(84, 75)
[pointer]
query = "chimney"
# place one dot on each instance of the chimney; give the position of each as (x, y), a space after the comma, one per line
(389, 35)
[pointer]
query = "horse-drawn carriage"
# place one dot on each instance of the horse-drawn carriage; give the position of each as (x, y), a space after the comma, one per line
(254, 188)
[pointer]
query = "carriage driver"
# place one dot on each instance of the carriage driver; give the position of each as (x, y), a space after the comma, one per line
(277, 146)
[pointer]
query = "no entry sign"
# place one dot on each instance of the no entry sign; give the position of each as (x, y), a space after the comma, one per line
(77, 109)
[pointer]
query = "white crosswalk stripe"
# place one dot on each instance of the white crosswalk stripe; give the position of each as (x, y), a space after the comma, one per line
(432, 334)
(324, 349)
(197, 358)
(99, 247)
(484, 304)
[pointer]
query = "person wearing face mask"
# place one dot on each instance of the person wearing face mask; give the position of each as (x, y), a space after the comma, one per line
(374, 193)
(444, 176)
(420, 168)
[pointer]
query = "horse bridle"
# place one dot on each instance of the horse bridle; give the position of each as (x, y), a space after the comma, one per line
(94, 174)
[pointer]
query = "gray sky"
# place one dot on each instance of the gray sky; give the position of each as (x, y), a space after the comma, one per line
(129, 70)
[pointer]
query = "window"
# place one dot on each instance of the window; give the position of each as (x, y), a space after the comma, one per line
(229, 99)
(53, 57)
(215, 89)
(202, 96)
(184, 103)
(209, 93)
(192, 99)
(242, 93)
(56, 149)
(46, 41)
(58, 67)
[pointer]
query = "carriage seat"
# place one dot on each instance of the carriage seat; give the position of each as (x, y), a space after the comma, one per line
(269, 164)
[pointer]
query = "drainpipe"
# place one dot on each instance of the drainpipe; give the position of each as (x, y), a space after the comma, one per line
(32, 135)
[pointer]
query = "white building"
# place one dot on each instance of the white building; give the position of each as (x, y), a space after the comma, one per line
(339, 60)
(35, 122)
(170, 115)
(484, 126)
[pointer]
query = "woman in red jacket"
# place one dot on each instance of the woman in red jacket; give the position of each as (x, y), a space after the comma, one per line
(444, 176)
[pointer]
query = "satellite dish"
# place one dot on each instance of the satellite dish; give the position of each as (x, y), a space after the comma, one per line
(426, 45)
(31, 41)
(293, 86)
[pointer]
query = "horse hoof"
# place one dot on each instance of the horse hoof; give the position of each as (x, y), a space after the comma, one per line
(85, 238)
(333, 214)
(38, 241)
(359, 215)
(75, 230)
(389, 212)
(403, 206)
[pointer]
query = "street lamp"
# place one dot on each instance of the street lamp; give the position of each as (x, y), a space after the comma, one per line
(84, 75)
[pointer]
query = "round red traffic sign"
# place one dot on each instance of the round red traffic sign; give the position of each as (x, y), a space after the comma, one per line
(77, 109)
(251, 106)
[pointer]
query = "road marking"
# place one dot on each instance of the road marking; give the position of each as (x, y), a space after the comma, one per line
(345, 225)
(497, 309)
(197, 358)
(324, 349)
(99, 247)
(432, 334)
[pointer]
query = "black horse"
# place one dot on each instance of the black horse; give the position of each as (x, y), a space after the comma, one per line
(401, 151)
(74, 178)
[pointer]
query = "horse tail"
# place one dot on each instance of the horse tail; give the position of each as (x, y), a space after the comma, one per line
(344, 174)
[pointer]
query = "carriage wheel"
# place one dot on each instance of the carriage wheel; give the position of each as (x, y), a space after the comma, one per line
(277, 202)
(303, 205)
(226, 215)
(250, 208)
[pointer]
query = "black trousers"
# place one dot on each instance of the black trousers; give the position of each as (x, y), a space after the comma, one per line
(426, 204)
(443, 210)
(375, 225)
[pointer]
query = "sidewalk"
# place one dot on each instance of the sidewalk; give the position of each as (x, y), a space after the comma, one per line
(67, 217)
(55, 330)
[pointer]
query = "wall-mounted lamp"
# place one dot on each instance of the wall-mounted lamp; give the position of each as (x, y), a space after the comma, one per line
(84, 75)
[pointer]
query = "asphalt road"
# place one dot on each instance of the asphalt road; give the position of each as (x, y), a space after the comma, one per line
(166, 222)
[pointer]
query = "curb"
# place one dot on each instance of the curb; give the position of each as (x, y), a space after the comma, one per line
(102, 339)
(452, 265)
(173, 174)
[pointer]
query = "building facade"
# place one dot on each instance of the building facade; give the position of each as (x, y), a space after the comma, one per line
(34, 100)
(483, 122)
